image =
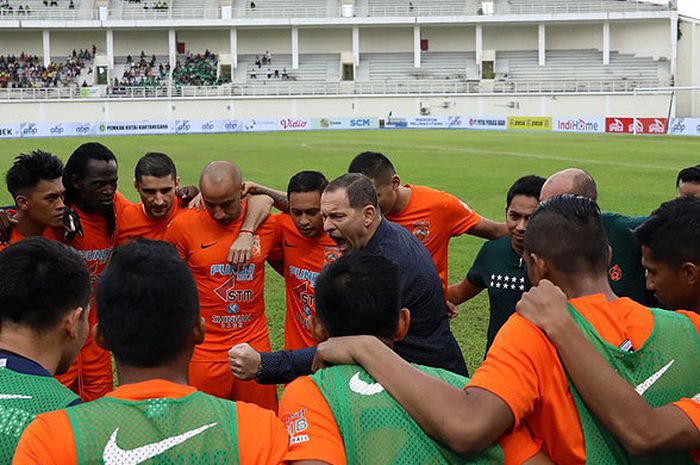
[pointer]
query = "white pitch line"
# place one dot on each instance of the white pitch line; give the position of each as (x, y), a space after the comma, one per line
(537, 156)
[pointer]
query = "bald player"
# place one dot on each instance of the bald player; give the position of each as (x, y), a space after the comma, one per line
(625, 273)
(231, 298)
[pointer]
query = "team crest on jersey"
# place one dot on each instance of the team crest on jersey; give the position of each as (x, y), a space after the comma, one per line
(421, 229)
(256, 250)
(615, 273)
(331, 254)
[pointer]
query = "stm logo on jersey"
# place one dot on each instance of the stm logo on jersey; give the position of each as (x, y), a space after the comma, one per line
(421, 229)
(331, 255)
(229, 294)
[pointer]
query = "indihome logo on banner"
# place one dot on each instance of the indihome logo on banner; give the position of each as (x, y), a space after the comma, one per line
(585, 125)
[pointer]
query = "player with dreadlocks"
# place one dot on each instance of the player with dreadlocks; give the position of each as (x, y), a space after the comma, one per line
(90, 179)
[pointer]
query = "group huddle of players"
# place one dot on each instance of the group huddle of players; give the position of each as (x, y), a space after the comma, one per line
(587, 370)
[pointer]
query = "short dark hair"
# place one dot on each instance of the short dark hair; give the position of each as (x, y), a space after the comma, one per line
(566, 230)
(358, 294)
(307, 181)
(374, 165)
(529, 186)
(359, 189)
(585, 186)
(40, 281)
(155, 164)
(672, 232)
(690, 174)
(28, 169)
(148, 303)
(75, 168)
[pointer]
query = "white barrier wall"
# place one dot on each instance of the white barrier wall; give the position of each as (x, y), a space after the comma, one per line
(198, 40)
(507, 38)
(64, 42)
(385, 39)
(644, 39)
(257, 41)
(688, 73)
(574, 36)
(132, 42)
(509, 105)
(450, 39)
(335, 41)
(16, 42)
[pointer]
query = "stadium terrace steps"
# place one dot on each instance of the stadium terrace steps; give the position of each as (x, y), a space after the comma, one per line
(435, 66)
(123, 9)
(82, 9)
(285, 8)
(419, 8)
(570, 6)
(579, 65)
(312, 67)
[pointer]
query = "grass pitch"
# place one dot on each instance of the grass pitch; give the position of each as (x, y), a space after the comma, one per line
(634, 174)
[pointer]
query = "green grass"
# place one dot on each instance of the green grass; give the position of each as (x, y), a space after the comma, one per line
(634, 175)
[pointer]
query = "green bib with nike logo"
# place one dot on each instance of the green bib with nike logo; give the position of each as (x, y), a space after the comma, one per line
(376, 430)
(22, 397)
(197, 429)
(664, 370)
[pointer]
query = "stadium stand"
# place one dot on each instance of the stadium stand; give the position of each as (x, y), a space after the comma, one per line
(27, 72)
(579, 65)
(47, 9)
(435, 65)
(568, 6)
(284, 8)
(417, 7)
(312, 67)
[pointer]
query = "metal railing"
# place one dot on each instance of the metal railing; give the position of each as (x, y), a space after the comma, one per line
(286, 12)
(49, 14)
(578, 7)
(290, 89)
(131, 14)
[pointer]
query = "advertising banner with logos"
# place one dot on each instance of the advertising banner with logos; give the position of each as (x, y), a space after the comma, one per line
(55, 129)
(90, 92)
(684, 127)
(9, 131)
(345, 123)
(427, 122)
(186, 126)
(487, 123)
(530, 123)
(583, 125)
(644, 125)
(134, 128)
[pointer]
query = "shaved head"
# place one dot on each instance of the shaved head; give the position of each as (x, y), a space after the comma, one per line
(570, 181)
(218, 172)
(221, 184)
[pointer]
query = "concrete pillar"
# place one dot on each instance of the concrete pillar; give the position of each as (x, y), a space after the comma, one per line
(110, 48)
(542, 44)
(479, 43)
(295, 47)
(356, 44)
(46, 41)
(233, 38)
(172, 48)
(416, 46)
(606, 43)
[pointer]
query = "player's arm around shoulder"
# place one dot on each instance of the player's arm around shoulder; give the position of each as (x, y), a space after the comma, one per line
(262, 438)
(48, 440)
(314, 437)
(466, 421)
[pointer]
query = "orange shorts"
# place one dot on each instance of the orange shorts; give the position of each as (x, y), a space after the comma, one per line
(90, 376)
(214, 377)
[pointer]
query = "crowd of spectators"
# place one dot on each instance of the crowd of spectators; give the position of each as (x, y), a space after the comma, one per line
(28, 71)
(144, 72)
(157, 5)
(9, 9)
(197, 70)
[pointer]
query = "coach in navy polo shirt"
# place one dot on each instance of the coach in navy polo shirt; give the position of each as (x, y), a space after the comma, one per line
(352, 218)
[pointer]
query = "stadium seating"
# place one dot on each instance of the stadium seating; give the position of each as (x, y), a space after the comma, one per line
(578, 65)
(435, 66)
(82, 9)
(569, 6)
(27, 72)
(312, 67)
(285, 8)
(417, 7)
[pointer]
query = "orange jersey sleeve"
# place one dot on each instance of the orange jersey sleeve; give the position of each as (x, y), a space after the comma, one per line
(523, 369)
(313, 432)
(434, 217)
(262, 438)
(231, 299)
(519, 446)
(303, 259)
(135, 223)
(48, 440)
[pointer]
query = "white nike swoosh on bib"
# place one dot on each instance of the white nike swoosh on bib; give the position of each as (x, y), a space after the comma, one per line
(13, 396)
(115, 455)
(649, 382)
(365, 389)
